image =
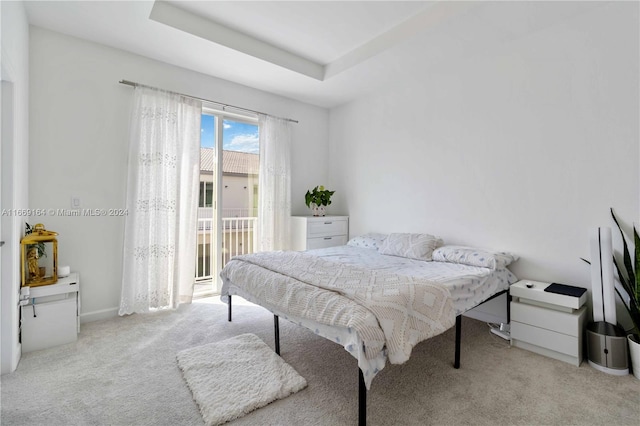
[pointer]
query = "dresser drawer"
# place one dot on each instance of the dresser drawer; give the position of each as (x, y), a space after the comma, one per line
(327, 227)
(324, 242)
(561, 322)
(558, 342)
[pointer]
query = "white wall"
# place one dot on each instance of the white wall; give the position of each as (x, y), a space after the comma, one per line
(79, 139)
(522, 147)
(14, 65)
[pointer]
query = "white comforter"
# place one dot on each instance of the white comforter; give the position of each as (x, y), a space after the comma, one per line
(386, 310)
(468, 286)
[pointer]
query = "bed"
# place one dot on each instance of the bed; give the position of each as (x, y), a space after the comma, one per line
(378, 296)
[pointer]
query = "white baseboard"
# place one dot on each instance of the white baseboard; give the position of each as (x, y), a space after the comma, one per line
(98, 315)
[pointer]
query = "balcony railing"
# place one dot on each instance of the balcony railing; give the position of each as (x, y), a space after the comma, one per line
(239, 237)
(207, 212)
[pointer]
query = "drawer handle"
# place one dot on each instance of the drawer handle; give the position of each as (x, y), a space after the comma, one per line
(328, 223)
(328, 238)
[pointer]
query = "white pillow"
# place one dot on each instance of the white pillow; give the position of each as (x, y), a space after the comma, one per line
(412, 246)
(474, 257)
(505, 258)
(370, 241)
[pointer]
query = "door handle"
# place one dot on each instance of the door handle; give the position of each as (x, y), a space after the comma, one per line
(1, 243)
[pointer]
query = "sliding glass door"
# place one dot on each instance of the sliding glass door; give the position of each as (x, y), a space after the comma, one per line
(227, 213)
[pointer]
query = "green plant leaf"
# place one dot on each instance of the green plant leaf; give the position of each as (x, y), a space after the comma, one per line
(625, 253)
(318, 197)
(636, 242)
(623, 280)
(633, 307)
(631, 283)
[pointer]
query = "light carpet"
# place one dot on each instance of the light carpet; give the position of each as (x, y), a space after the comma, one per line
(233, 377)
(123, 372)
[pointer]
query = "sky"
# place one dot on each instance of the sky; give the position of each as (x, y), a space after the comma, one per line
(235, 136)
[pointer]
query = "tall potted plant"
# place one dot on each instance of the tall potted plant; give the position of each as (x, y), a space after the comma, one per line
(317, 199)
(629, 275)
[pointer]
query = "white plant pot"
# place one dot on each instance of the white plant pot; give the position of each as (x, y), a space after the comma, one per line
(317, 210)
(634, 351)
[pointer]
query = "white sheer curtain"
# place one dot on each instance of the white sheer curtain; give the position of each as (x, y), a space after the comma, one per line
(274, 197)
(162, 197)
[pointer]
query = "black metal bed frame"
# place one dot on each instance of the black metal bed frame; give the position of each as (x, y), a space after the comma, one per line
(362, 389)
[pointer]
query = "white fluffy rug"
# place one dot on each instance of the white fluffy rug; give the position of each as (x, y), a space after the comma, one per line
(231, 378)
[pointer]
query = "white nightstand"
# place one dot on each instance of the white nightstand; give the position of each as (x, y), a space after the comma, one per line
(547, 323)
(314, 232)
(51, 316)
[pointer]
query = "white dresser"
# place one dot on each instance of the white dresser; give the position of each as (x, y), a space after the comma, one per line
(314, 232)
(547, 323)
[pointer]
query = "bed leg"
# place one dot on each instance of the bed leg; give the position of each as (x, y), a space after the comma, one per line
(362, 400)
(456, 363)
(229, 315)
(276, 330)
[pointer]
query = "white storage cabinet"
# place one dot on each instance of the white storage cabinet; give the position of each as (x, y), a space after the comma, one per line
(314, 232)
(547, 323)
(50, 316)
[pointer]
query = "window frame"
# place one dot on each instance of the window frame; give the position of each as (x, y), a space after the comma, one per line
(219, 117)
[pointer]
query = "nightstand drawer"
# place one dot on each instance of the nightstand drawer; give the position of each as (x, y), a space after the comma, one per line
(561, 322)
(324, 242)
(558, 342)
(327, 227)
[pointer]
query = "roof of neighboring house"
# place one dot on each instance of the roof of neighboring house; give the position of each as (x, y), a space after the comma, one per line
(233, 162)
(206, 159)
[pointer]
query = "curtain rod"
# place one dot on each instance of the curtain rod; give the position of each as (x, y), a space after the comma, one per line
(134, 84)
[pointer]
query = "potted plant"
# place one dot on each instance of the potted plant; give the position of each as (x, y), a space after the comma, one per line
(317, 199)
(629, 276)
